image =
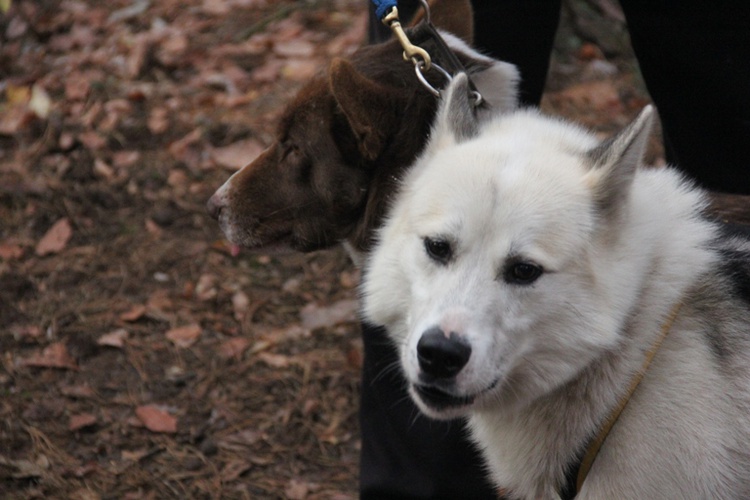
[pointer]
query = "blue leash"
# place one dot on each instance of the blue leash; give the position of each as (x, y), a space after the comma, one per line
(382, 7)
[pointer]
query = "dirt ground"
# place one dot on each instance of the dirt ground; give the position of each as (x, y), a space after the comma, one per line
(140, 357)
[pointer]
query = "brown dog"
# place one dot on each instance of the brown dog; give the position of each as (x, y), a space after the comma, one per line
(344, 141)
(341, 147)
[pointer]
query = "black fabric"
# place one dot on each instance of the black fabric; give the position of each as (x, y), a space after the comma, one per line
(695, 59)
(521, 32)
(404, 454)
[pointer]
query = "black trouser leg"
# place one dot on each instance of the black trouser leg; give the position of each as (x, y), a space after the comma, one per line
(521, 32)
(695, 59)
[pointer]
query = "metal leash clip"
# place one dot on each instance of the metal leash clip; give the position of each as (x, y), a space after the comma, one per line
(417, 55)
(412, 53)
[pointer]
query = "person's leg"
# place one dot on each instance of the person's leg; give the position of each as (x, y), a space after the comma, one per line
(520, 32)
(695, 59)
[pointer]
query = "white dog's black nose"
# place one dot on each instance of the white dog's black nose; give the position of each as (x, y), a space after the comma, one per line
(440, 355)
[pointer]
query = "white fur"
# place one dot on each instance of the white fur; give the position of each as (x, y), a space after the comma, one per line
(550, 359)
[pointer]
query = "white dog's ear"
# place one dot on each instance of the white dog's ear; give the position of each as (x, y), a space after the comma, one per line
(615, 161)
(456, 119)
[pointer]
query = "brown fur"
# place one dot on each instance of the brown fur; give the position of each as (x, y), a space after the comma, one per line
(341, 147)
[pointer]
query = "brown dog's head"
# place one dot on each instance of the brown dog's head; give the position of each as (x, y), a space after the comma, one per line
(309, 189)
(339, 151)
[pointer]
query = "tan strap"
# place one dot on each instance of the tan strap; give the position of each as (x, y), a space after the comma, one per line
(596, 444)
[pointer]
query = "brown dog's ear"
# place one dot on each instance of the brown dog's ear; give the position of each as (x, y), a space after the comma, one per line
(453, 16)
(369, 107)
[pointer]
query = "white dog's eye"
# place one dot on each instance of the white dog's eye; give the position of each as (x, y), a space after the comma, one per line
(521, 273)
(438, 249)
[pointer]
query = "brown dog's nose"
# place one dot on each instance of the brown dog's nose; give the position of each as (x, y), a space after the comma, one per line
(214, 206)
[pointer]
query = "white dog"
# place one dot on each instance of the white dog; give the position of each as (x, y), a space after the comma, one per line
(529, 273)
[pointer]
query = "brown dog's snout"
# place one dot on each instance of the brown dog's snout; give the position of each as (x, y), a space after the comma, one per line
(214, 205)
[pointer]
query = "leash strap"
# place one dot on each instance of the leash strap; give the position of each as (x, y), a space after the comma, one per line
(382, 7)
(596, 444)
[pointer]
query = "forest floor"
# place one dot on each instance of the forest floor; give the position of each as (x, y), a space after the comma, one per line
(139, 357)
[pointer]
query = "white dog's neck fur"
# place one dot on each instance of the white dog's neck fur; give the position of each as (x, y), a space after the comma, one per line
(620, 246)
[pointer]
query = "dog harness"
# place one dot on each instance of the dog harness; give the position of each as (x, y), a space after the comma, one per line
(577, 475)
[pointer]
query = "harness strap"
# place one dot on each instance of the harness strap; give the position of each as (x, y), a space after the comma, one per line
(596, 444)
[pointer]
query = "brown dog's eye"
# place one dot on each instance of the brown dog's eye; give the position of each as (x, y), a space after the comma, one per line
(296, 160)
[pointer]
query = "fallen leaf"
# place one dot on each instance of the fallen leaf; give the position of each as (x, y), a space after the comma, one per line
(172, 48)
(25, 332)
(300, 70)
(158, 120)
(314, 316)
(153, 228)
(81, 421)
(123, 159)
(133, 10)
(205, 289)
(241, 440)
(81, 471)
(134, 313)
(92, 140)
(115, 338)
(349, 279)
(22, 469)
(82, 391)
(268, 72)
(296, 490)
(240, 304)
(102, 170)
(66, 141)
(294, 48)
(17, 94)
(9, 251)
(238, 154)
(234, 469)
(185, 336)
(159, 300)
(138, 54)
(156, 420)
(274, 360)
(53, 356)
(40, 102)
(348, 42)
(56, 238)
(15, 118)
(77, 86)
(597, 96)
(134, 455)
(233, 348)
(354, 357)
